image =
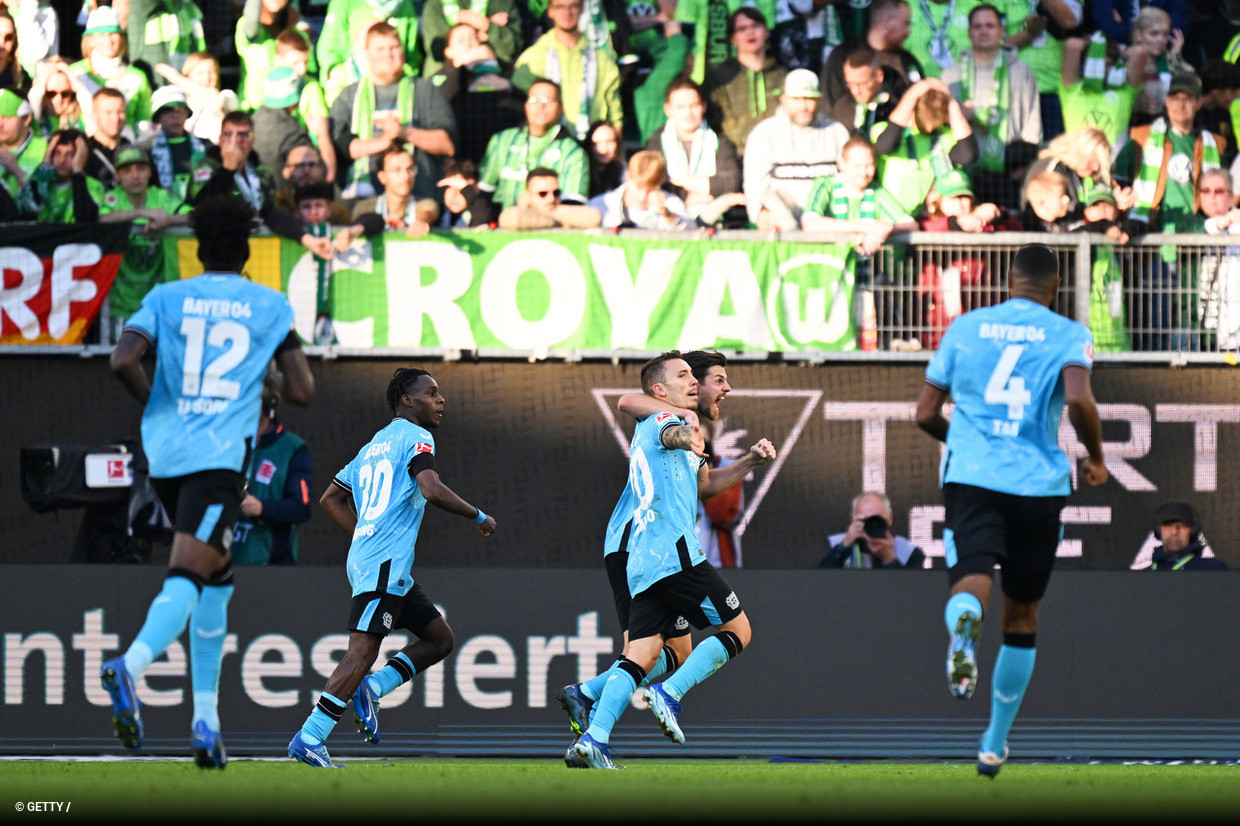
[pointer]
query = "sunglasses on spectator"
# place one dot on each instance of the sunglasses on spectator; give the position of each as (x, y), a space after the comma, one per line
(546, 193)
(62, 93)
(239, 135)
(1215, 192)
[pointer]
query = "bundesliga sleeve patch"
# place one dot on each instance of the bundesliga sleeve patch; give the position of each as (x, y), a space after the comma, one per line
(1089, 351)
(424, 447)
(663, 418)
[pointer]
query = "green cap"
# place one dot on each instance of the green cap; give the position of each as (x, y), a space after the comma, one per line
(131, 154)
(10, 103)
(952, 183)
(1099, 192)
(281, 88)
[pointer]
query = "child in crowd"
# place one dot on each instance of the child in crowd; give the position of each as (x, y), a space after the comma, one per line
(1108, 317)
(1048, 207)
(293, 50)
(850, 202)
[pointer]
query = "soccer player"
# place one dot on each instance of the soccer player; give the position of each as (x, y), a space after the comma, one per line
(379, 498)
(668, 575)
(1009, 368)
(214, 337)
(710, 370)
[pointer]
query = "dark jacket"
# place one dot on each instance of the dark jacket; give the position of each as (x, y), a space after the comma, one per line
(1190, 560)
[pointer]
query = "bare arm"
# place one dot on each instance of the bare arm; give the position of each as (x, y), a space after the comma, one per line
(432, 141)
(338, 503)
(721, 478)
(640, 406)
(1083, 413)
(126, 363)
(298, 380)
(930, 416)
(442, 496)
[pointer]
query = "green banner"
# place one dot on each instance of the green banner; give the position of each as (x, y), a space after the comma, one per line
(560, 291)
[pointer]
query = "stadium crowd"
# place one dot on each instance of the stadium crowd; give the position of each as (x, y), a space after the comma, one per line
(867, 117)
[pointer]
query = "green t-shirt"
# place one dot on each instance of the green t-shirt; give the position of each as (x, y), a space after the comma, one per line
(821, 202)
(143, 265)
(1110, 110)
(1177, 201)
(512, 153)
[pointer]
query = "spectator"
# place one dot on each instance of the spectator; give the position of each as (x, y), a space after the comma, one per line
(787, 153)
(539, 206)
(605, 146)
(278, 493)
(926, 137)
(848, 202)
(482, 96)
(1098, 88)
(398, 206)
(345, 28)
(234, 168)
(805, 33)
(952, 206)
(937, 34)
(649, 95)
(21, 148)
(261, 24)
(277, 131)
(161, 31)
(588, 77)
(1049, 207)
(58, 192)
(1164, 160)
(869, 542)
(1108, 316)
(702, 165)
(465, 203)
(745, 89)
(641, 201)
(999, 95)
(1220, 83)
(303, 165)
(713, 41)
(495, 22)
(544, 141)
(1082, 157)
(293, 50)
(104, 63)
(38, 31)
(1152, 29)
(208, 103)
(885, 34)
(1182, 545)
(152, 210)
(54, 98)
(314, 203)
(1217, 279)
(174, 151)
(107, 135)
(1040, 43)
(870, 97)
(388, 105)
(12, 75)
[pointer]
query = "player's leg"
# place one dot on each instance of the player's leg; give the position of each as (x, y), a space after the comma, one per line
(974, 540)
(705, 598)
(579, 698)
(1033, 541)
(208, 633)
(367, 628)
(434, 643)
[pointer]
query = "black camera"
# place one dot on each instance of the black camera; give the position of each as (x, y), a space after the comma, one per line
(875, 526)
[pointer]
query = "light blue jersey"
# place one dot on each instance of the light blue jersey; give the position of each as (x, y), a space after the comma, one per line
(618, 525)
(389, 506)
(1003, 366)
(664, 486)
(214, 336)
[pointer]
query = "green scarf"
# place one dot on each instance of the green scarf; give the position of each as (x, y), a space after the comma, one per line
(363, 123)
(1146, 185)
(992, 120)
(598, 29)
(841, 204)
(1107, 318)
(323, 277)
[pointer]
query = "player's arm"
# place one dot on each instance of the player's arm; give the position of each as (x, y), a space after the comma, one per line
(1083, 413)
(720, 479)
(640, 406)
(126, 363)
(298, 380)
(930, 416)
(684, 437)
(442, 496)
(338, 502)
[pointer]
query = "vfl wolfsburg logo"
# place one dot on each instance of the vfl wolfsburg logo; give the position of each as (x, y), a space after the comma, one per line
(808, 302)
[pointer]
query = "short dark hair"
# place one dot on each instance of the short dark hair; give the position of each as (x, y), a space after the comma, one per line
(545, 81)
(746, 11)
(319, 190)
(700, 362)
(654, 372)
(862, 57)
(464, 167)
(985, 7)
(541, 172)
(403, 380)
(1219, 74)
(683, 82)
(222, 224)
(238, 117)
(1036, 264)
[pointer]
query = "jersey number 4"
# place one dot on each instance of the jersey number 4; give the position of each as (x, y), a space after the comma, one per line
(1004, 388)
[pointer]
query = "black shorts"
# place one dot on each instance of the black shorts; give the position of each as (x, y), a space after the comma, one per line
(380, 613)
(1020, 534)
(617, 574)
(204, 505)
(699, 597)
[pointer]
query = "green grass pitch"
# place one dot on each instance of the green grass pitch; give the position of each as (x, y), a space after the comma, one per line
(650, 790)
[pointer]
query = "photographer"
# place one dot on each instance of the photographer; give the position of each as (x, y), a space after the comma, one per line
(868, 542)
